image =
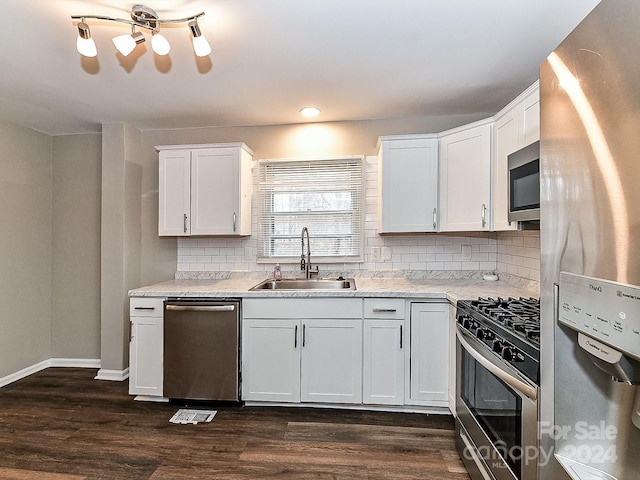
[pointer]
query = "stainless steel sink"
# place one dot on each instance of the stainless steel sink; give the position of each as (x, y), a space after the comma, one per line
(304, 284)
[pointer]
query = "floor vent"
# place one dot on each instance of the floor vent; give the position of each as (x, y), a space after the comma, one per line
(185, 416)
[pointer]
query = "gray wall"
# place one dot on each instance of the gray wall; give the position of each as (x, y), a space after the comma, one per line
(120, 241)
(75, 275)
(25, 247)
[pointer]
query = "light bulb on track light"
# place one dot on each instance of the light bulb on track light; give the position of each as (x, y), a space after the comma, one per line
(160, 44)
(85, 44)
(125, 44)
(200, 45)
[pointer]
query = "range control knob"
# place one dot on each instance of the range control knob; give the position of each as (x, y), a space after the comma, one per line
(510, 353)
(481, 333)
(497, 345)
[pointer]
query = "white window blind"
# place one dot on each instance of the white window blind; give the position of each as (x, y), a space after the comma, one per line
(324, 195)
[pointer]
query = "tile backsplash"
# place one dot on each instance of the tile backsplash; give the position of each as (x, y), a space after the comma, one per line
(513, 253)
(519, 254)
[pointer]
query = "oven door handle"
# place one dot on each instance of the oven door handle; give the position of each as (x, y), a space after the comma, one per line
(514, 382)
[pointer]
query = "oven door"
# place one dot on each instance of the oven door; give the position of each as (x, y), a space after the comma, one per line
(497, 413)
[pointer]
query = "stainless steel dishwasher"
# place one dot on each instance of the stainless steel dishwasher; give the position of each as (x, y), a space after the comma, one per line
(201, 349)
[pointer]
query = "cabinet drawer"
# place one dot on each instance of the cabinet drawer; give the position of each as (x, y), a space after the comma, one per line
(384, 308)
(302, 308)
(146, 307)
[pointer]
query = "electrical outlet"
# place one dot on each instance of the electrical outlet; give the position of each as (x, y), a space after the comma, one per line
(375, 254)
(248, 254)
(386, 254)
(466, 252)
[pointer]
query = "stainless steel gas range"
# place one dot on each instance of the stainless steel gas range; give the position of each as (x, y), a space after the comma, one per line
(497, 380)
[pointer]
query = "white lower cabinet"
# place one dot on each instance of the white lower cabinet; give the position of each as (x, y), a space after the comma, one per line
(372, 351)
(271, 360)
(146, 346)
(383, 374)
(331, 361)
(302, 350)
(384, 352)
(429, 359)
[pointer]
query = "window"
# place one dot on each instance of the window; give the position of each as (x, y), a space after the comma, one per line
(324, 195)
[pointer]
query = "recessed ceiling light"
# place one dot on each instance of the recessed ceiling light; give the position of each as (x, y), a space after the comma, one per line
(310, 112)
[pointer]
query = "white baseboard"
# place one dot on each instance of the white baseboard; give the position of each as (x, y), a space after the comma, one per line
(25, 372)
(151, 398)
(75, 362)
(112, 375)
(103, 374)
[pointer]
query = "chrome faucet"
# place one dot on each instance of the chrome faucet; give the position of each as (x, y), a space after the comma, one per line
(305, 264)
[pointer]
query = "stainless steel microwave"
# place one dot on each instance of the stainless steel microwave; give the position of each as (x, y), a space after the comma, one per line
(524, 184)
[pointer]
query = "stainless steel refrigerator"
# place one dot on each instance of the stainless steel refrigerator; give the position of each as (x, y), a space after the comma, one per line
(590, 249)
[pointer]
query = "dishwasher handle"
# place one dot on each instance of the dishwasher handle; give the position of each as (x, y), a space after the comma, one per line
(201, 308)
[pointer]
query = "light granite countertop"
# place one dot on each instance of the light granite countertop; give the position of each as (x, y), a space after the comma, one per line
(450, 289)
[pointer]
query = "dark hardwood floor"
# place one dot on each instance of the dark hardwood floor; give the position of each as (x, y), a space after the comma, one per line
(61, 424)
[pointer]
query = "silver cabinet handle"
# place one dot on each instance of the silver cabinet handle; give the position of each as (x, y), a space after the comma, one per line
(384, 310)
(185, 223)
(400, 337)
(295, 337)
(144, 308)
(434, 218)
(304, 335)
(484, 215)
(201, 308)
(234, 221)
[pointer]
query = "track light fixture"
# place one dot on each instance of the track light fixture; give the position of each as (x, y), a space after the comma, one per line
(145, 18)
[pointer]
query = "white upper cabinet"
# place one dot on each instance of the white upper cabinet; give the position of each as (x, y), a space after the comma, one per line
(205, 190)
(516, 126)
(465, 178)
(408, 183)
(530, 117)
(174, 193)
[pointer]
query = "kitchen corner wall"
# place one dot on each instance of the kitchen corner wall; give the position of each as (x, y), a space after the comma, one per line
(424, 252)
(514, 254)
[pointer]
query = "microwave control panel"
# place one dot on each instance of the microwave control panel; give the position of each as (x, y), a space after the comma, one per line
(605, 310)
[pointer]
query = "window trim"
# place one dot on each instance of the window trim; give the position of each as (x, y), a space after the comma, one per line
(359, 258)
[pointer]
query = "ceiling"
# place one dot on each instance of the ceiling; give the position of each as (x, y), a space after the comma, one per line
(354, 59)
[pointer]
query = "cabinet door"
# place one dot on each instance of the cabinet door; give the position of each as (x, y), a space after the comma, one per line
(215, 191)
(506, 133)
(408, 183)
(174, 193)
(465, 180)
(383, 369)
(331, 361)
(530, 119)
(145, 356)
(271, 360)
(429, 363)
